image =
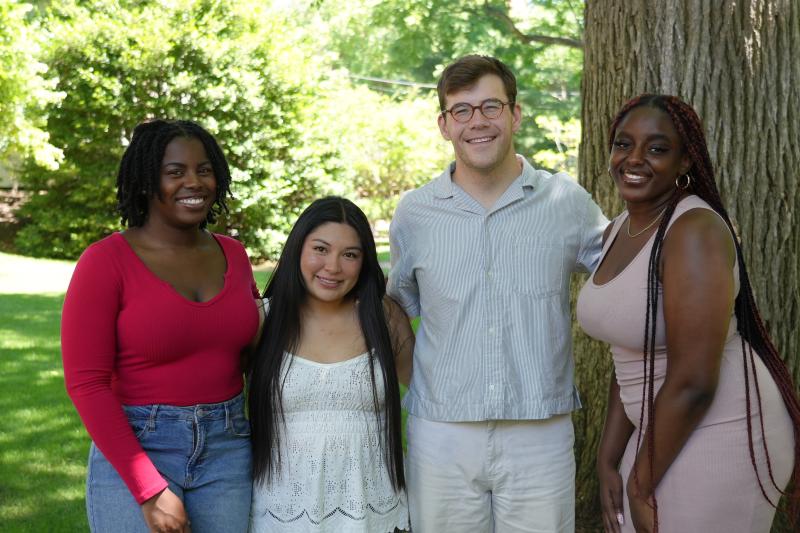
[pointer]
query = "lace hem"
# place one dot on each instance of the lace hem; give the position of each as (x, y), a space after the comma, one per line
(338, 520)
(333, 513)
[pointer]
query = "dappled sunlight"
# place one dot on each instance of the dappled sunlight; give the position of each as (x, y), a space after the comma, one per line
(50, 375)
(19, 361)
(43, 445)
(10, 340)
(35, 421)
(49, 492)
(44, 467)
(35, 318)
(30, 321)
(26, 275)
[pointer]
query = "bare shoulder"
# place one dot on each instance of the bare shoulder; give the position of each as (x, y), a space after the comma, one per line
(699, 233)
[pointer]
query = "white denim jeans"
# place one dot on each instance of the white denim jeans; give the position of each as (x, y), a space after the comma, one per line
(499, 476)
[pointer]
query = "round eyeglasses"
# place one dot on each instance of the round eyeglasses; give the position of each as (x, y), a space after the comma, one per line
(490, 108)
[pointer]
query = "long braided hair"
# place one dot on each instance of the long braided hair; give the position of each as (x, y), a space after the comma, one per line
(750, 326)
(140, 168)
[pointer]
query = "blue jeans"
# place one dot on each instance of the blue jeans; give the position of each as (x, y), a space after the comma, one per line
(203, 451)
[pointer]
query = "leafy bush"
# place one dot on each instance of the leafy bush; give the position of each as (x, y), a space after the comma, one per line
(119, 63)
(23, 91)
(385, 145)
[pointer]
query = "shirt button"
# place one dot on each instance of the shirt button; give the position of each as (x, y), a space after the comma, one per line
(489, 274)
(491, 331)
(491, 387)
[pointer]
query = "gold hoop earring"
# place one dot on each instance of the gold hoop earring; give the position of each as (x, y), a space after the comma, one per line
(683, 187)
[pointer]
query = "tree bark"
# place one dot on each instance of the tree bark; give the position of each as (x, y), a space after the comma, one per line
(736, 62)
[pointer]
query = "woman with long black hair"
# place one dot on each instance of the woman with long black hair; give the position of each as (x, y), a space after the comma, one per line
(324, 398)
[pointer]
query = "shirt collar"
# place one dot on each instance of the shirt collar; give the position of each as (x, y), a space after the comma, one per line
(444, 186)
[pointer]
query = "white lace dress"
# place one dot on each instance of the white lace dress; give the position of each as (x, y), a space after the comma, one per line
(333, 477)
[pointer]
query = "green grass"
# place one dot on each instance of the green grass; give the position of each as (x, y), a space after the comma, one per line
(383, 256)
(261, 279)
(43, 446)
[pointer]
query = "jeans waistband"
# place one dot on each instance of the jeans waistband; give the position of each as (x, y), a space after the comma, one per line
(198, 411)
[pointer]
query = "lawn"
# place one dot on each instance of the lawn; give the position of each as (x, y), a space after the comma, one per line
(43, 445)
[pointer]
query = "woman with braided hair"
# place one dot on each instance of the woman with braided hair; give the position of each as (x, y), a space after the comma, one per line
(701, 432)
(154, 323)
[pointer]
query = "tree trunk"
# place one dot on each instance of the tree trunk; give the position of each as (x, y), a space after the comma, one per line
(736, 62)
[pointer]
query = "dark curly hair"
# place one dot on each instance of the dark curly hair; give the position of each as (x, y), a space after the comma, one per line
(140, 168)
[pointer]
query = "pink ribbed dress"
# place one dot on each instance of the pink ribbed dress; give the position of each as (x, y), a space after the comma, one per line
(711, 486)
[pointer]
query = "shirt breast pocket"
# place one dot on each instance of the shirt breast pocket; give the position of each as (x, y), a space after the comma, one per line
(538, 267)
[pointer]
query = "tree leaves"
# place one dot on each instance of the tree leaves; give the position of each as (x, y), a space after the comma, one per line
(119, 64)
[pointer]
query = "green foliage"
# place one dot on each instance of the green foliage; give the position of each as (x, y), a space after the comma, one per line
(23, 90)
(385, 146)
(415, 39)
(282, 87)
(119, 63)
(566, 136)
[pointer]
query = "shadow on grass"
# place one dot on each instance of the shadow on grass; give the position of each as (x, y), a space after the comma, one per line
(43, 446)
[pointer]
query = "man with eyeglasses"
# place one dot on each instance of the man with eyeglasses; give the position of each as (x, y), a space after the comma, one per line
(483, 254)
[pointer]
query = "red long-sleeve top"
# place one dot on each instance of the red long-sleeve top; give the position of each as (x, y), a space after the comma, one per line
(128, 338)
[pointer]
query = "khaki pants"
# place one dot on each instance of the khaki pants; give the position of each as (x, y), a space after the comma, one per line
(499, 476)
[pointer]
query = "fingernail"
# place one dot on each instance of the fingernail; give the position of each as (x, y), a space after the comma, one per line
(621, 519)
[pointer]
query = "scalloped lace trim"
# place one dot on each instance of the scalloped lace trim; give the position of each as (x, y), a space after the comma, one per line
(333, 513)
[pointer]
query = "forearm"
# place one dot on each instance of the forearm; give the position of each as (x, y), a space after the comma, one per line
(402, 336)
(404, 367)
(404, 354)
(245, 356)
(678, 409)
(616, 430)
(404, 373)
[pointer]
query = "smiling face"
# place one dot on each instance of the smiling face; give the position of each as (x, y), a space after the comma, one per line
(187, 186)
(482, 145)
(647, 156)
(330, 262)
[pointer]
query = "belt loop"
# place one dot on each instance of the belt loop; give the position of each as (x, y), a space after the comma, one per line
(151, 423)
(227, 414)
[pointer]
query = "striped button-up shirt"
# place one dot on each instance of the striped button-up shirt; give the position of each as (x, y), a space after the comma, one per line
(492, 290)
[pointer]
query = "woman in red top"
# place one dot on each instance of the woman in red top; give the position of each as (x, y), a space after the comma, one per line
(154, 322)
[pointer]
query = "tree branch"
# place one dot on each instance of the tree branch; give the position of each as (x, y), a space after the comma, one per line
(528, 38)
